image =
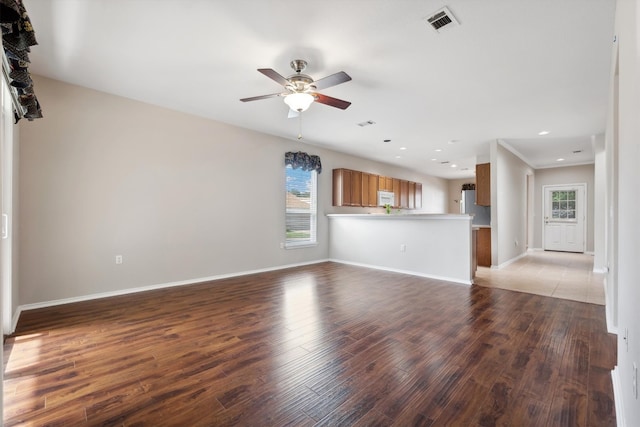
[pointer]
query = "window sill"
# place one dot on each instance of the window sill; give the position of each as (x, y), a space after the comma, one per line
(299, 245)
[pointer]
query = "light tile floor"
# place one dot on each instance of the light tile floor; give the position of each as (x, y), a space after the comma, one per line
(553, 274)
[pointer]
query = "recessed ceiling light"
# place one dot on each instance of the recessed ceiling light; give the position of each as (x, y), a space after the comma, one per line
(544, 132)
(398, 157)
(434, 160)
(560, 160)
(454, 165)
(437, 150)
(403, 148)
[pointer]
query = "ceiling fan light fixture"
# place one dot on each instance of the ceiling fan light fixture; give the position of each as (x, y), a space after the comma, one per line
(299, 101)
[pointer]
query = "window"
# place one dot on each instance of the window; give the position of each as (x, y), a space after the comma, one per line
(563, 205)
(301, 207)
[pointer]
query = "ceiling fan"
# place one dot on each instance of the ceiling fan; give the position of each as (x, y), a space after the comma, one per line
(300, 89)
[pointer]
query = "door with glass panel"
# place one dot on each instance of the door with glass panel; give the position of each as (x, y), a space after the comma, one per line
(564, 226)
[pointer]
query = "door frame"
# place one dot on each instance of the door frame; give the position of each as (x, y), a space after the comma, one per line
(583, 210)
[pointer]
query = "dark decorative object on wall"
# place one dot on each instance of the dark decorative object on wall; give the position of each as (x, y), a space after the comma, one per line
(468, 187)
(303, 161)
(17, 37)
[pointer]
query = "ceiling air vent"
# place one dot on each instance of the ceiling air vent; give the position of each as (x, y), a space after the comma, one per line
(442, 19)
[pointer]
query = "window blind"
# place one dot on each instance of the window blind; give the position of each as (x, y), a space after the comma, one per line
(301, 207)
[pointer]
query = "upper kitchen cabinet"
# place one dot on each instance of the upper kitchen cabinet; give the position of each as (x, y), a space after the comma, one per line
(355, 188)
(404, 194)
(396, 191)
(385, 183)
(369, 190)
(347, 187)
(483, 184)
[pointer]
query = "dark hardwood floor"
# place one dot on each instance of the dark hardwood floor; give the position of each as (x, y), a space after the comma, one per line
(323, 345)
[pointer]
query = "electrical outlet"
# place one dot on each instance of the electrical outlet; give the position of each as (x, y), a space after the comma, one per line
(118, 259)
(516, 243)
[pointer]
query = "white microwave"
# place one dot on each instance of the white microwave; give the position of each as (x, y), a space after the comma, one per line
(386, 198)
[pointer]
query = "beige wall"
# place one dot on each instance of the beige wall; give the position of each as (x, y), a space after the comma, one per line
(509, 208)
(178, 196)
(559, 176)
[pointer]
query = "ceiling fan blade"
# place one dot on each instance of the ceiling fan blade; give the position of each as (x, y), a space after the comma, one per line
(256, 98)
(332, 80)
(275, 76)
(333, 102)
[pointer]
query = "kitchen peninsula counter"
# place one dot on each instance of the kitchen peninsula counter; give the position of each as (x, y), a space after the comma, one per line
(438, 246)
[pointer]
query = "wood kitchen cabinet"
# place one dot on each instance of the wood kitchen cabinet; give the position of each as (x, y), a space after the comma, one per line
(483, 184)
(483, 246)
(364, 190)
(385, 183)
(396, 191)
(373, 190)
(404, 194)
(347, 187)
(341, 189)
(355, 188)
(369, 190)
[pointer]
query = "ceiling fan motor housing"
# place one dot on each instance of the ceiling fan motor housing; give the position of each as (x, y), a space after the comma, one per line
(298, 65)
(300, 82)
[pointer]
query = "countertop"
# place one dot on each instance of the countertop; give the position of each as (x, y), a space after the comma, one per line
(458, 217)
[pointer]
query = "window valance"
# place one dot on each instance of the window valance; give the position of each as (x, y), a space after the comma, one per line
(17, 37)
(303, 161)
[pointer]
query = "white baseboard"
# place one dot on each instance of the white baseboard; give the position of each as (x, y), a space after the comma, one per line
(617, 396)
(26, 307)
(411, 273)
(541, 249)
(14, 320)
(512, 260)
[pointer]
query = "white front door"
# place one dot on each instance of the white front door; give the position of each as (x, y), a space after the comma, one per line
(564, 217)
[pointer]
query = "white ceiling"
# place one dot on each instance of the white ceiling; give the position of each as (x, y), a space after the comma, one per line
(511, 69)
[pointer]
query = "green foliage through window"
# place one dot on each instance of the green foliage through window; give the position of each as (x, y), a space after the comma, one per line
(563, 204)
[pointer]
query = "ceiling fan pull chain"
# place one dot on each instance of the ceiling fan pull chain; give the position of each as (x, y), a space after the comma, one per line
(300, 126)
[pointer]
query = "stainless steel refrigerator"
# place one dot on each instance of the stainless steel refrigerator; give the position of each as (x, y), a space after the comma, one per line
(481, 214)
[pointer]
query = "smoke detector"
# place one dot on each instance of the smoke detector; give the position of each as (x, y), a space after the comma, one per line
(442, 20)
